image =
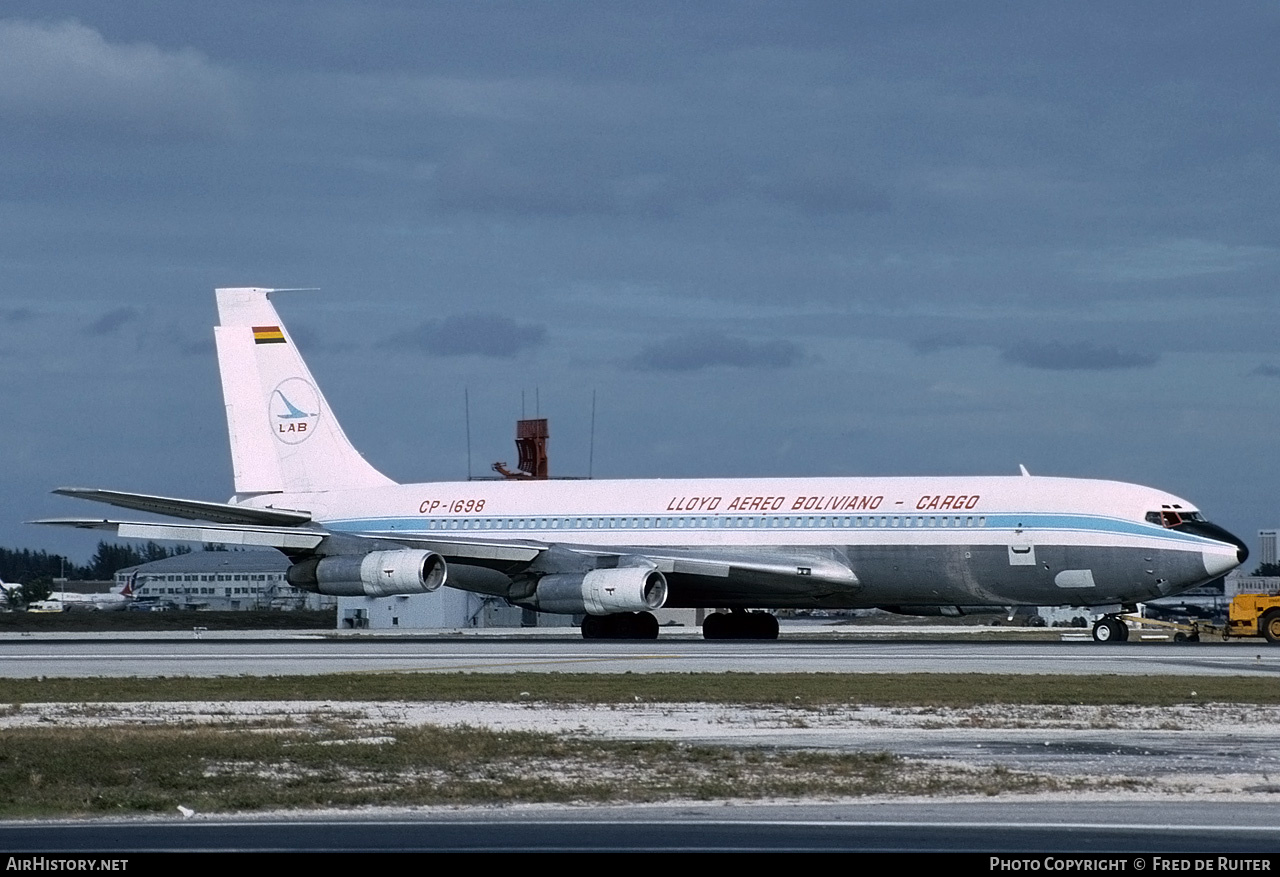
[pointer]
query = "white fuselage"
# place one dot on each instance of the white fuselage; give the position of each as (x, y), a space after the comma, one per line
(962, 540)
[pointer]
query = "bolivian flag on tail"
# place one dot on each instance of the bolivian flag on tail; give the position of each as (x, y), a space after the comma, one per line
(268, 335)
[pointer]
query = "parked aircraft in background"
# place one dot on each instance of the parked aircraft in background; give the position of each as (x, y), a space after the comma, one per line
(61, 601)
(613, 551)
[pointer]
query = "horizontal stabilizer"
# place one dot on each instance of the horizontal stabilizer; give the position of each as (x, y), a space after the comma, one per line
(192, 509)
(267, 537)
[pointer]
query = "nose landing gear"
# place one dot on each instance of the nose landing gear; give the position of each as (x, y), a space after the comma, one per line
(1110, 629)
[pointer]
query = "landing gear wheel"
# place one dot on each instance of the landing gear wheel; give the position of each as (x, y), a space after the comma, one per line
(740, 625)
(1270, 626)
(593, 627)
(621, 625)
(716, 626)
(643, 626)
(1110, 630)
(764, 625)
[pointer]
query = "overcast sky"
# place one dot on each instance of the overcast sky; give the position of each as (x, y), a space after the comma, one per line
(773, 238)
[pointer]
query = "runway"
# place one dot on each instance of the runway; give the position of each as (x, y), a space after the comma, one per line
(957, 828)
(239, 654)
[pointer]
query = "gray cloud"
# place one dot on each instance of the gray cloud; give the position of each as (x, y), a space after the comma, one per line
(694, 351)
(825, 186)
(65, 74)
(1077, 356)
(540, 183)
(111, 321)
(490, 335)
(938, 343)
(1267, 370)
(851, 178)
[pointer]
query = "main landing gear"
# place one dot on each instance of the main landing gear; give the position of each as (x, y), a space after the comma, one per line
(620, 625)
(740, 625)
(1110, 630)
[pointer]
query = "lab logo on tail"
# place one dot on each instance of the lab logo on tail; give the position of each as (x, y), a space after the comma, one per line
(295, 410)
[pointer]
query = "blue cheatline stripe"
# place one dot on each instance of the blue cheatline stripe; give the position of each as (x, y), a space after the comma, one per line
(1031, 524)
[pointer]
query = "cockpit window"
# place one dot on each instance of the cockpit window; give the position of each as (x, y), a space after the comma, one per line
(1171, 519)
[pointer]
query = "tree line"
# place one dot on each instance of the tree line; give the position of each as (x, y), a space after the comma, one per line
(24, 565)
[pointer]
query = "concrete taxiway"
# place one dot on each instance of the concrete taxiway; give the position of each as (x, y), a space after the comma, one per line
(274, 654)
(1246, 832)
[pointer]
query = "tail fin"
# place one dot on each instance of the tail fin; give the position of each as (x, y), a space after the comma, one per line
(284, 436)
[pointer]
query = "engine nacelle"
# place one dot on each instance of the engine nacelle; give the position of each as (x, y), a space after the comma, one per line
(376, 574)
(601, 591)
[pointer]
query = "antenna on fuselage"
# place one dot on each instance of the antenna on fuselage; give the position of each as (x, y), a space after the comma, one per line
(1023, 470)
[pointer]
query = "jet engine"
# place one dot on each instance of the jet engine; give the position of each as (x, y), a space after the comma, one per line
(376, 574)
(601, 591)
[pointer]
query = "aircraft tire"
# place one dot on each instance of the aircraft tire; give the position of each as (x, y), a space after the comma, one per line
(643, 626)
(1270, 627)
(715, 626)
(764, 625)
(740, 625)
(593, 627)
(1107, 630)
(620, 625)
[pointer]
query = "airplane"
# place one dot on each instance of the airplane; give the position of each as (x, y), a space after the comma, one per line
(12, 592)
(615, 551)
(61, 601)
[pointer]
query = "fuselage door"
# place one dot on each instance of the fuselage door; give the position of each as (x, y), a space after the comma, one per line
(1021, 550)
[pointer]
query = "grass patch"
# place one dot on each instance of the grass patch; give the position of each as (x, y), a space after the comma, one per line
(59, 771)
(797, 690)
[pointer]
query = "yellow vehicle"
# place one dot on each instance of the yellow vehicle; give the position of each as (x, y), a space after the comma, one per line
(1248, 615)
(1255, 615)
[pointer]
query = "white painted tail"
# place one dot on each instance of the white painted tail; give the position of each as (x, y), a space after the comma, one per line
(284, 436)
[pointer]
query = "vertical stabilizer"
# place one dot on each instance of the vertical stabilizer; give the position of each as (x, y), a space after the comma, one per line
(284, 436)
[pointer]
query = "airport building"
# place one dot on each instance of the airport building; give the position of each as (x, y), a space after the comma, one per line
(1267, 544)
(220, 580)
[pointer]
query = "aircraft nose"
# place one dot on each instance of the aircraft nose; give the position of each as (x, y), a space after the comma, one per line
(1218, 534)
(1242, 550)
(1217, 563)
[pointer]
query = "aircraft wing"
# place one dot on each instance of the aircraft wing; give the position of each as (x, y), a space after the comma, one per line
(704, 574)
(816, 567)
